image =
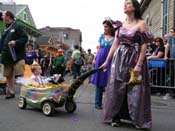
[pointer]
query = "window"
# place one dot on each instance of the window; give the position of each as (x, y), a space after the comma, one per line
(65, 35)
(165, 16)
(25, 16)
(147, 19)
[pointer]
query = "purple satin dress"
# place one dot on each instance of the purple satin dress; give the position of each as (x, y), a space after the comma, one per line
(130, 103)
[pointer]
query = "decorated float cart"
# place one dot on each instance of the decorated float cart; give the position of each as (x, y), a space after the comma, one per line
(51, 96)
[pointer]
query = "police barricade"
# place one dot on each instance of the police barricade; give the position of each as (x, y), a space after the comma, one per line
(162, 73)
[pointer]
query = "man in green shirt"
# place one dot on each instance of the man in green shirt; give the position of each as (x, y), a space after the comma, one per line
(59, 63)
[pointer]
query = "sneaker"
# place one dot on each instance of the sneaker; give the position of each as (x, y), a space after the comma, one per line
(98, 107)
(139, 128)
(9, 96)
(116, 124)
(167, 96)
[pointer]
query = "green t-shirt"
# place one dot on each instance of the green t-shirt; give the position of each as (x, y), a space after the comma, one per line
(76, 54)
(59, 60)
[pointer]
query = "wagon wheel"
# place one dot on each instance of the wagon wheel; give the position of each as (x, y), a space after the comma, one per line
(22, 103)
(48, 108)
(70, 106)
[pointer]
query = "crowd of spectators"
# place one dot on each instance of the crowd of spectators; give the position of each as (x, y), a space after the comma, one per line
(163, 49)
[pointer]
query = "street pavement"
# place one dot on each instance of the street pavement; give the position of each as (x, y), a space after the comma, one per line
(85, 118)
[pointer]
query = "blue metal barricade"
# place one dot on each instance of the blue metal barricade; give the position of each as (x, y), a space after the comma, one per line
(162, 73)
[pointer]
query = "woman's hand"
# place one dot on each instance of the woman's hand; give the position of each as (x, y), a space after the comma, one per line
(93, 62)
(165, 58)
(137, 70)
(104, 65)
(149, 57)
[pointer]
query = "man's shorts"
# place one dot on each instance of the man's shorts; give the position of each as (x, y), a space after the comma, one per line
(16, 69)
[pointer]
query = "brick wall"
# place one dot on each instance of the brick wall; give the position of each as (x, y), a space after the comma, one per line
(171, 14)
(155, 12)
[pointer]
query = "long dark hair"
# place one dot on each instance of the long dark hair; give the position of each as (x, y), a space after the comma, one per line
(109, 23)
(159, 39)
(137, 12)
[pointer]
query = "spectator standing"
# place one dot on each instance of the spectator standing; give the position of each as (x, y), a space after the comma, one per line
(170, 56)
(45, 63)
(50, 71)
(30, 55)
(170, 47)
(14, 37)
(77, 62)
(41, 55)
(69, 66)
(165, 38)
(59, 63)
(89, 61)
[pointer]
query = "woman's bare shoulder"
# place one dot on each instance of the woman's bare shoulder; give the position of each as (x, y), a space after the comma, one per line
(142, 25)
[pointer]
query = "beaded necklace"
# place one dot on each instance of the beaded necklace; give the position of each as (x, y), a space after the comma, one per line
(5, 30)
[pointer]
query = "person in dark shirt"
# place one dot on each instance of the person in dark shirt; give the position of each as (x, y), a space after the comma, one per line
(13, 41)
(157, 74)
(150, 48)
(159, 50)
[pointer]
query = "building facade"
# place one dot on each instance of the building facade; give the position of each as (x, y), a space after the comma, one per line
(68, 36)
(23, 15)
(159, 15)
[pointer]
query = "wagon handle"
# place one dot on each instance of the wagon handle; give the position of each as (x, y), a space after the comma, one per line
(76, 84)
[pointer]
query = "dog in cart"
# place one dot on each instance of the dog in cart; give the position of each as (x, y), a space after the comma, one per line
(53, 95)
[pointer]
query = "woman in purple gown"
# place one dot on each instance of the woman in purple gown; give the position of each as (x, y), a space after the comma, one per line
(128, 53)
(100, 79)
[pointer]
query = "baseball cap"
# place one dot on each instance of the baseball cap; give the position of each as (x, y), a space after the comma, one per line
(172, 30)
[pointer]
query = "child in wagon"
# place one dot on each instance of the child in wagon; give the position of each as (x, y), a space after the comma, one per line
(38, 79)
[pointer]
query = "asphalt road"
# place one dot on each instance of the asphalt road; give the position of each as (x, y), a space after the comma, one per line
(85, 118)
